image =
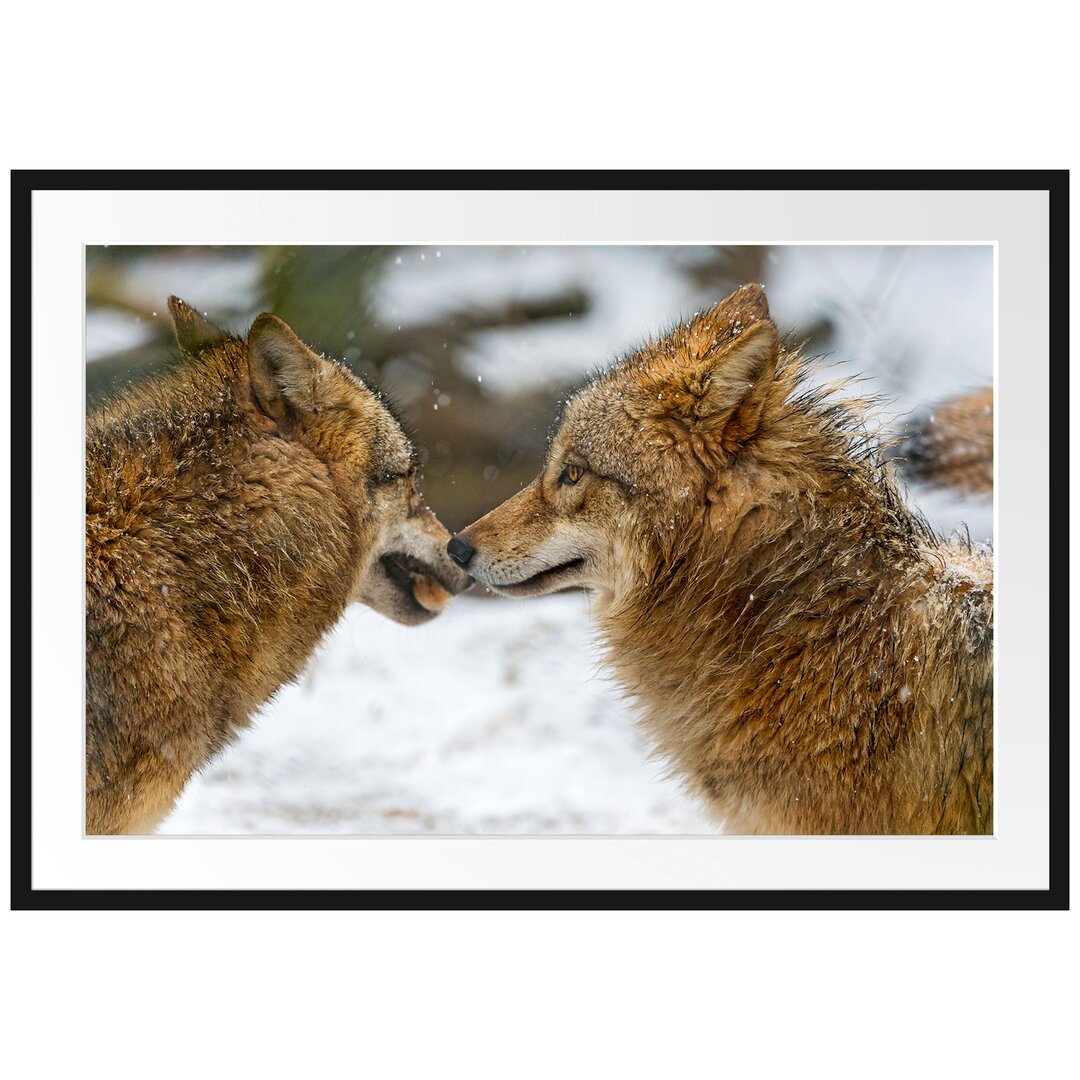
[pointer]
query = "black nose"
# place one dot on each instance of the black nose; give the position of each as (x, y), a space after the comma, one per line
(460, 550)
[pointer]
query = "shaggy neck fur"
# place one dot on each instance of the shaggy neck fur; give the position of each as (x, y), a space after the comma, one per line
(207, 479)
(208, 529)
(814, 623)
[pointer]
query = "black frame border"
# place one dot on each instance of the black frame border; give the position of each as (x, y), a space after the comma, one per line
(24, 897)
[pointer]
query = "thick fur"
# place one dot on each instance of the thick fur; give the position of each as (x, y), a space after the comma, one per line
(234, 506)
(806, 653)
(952, 445)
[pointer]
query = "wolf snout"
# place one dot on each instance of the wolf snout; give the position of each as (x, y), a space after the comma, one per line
(460, 550)
(459, 582)
(454, 579)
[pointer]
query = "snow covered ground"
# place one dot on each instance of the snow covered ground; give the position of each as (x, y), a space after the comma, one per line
(495, 718)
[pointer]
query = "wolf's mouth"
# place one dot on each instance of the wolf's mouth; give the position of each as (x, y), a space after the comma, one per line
(419, 583)
(548, 580)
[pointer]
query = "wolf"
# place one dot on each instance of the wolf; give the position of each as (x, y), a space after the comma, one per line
(234, 506)
(951, 445)
(803, 650)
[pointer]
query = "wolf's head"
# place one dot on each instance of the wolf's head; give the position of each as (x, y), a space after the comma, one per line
(401, 568)
(644, 452)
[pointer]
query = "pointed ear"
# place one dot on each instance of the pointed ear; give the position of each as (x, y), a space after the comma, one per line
(284, 371)
(724, 322)
(738, 375)
(193, 332)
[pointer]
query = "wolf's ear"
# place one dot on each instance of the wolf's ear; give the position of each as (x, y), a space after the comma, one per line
(193, 332)
(284, 371)
(732, 316)
(739, 366)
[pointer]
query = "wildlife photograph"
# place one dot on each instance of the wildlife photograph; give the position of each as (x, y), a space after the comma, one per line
(539, 539)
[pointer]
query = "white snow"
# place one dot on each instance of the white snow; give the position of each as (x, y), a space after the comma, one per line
(214, 280)
(917, 319)
(493, 718)
(955, 515)
(108, 332)
(632, 294)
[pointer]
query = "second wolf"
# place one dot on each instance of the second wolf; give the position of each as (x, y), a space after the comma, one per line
(952, 445)
(234, 507)
(804, 650)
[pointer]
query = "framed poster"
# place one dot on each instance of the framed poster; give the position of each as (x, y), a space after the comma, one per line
(493, 752)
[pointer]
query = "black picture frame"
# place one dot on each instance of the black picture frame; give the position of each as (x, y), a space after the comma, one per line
(24, 183)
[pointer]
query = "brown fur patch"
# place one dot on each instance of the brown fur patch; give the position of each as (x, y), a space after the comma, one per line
(222, 542)
(952, 445)
(805, 652)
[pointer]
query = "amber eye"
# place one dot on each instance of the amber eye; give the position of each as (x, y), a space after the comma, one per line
(571, 474)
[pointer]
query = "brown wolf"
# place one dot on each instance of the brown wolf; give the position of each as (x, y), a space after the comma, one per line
(234, 507)
(804, 650)
(952, 445)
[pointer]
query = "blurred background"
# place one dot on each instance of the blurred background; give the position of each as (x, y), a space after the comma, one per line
(477, 345)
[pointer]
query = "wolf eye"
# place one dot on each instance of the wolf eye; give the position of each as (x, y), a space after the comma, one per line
(571, 474)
